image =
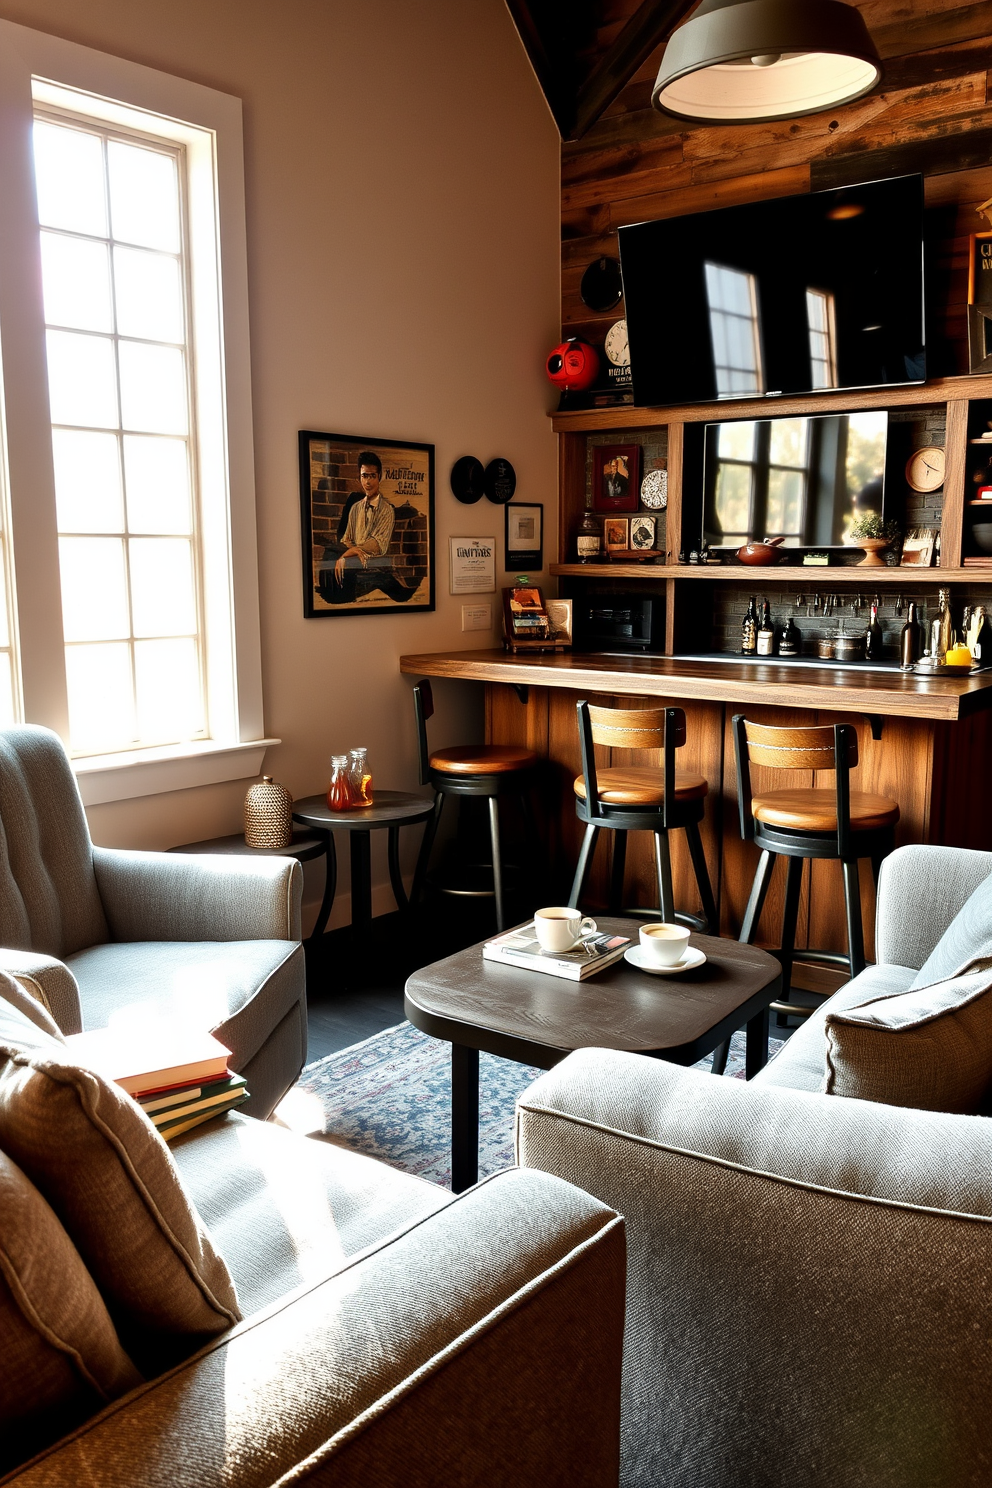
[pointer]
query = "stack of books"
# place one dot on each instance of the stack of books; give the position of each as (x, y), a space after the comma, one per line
(178, 1077)
(521, 947)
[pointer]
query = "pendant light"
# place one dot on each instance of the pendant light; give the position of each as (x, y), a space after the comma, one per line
(744, 61)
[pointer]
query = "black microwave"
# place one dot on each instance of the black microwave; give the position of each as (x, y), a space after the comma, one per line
(620, 622)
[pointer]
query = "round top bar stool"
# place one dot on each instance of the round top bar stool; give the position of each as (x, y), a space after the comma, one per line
(640, 798)
(486, 770)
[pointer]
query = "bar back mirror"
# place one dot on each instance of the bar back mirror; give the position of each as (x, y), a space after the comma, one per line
(801, 479)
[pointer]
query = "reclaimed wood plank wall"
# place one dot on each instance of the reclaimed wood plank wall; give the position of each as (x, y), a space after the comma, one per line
(932, 113)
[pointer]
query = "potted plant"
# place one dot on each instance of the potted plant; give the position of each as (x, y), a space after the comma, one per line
(872, 535)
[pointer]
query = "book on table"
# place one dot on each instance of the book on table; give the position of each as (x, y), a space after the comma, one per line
(521, 947)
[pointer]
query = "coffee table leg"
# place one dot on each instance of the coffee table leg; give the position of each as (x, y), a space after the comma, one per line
(361, 877)
(756, 1044)
(464, 1117)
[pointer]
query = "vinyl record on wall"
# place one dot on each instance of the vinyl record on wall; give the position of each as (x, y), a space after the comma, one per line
(500, 481)
(602, 286)
(467, 480)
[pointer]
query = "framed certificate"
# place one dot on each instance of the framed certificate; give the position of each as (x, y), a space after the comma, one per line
(472, 565)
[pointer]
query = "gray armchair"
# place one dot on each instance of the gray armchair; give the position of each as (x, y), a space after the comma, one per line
(96, 931)
(808, 1294)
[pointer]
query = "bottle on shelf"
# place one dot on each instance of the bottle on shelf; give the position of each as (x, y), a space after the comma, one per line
(873, 638)
(588, 538)
(791, 642)
(749, 629)
(909, 639)
(979, 636)
(942, 630)
(766, 632)
(359, 777)
(339, 789)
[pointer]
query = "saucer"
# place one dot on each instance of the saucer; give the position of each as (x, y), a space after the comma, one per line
(692, 958)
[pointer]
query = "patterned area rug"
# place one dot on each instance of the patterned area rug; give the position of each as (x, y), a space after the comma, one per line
(390, 1098)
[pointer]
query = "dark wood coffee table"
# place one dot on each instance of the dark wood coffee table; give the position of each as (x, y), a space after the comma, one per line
(538, 1019)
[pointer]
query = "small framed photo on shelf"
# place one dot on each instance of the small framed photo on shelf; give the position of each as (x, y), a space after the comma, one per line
(560, 620)
(524, 535)
(616, 477)
(643, 532)
(917, 547)
(616, 534)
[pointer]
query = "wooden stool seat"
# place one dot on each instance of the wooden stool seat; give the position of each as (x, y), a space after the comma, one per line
(816, 810)
(483, 759)
(640, 786)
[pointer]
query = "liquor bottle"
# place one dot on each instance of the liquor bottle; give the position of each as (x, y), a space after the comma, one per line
(359, 777)
(942, 636)
(873, 639)
(749, 629)
(339, 791)
(766, 632)
(588, 538)
(909, 640)
(791, 643)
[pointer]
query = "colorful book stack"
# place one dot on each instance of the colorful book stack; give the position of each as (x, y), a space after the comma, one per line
(179, 1078)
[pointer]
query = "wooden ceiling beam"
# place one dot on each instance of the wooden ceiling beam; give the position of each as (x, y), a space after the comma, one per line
(647, 27)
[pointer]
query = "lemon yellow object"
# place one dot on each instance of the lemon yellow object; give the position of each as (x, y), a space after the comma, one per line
(958, 656)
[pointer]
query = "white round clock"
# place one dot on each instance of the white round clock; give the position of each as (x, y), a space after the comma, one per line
(615, 346)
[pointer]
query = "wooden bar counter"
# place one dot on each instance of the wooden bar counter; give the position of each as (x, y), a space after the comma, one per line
(925, 742)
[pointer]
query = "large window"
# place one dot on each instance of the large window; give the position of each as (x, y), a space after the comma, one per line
(129, 604)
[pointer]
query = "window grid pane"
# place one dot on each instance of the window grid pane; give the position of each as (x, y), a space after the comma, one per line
(122, 436)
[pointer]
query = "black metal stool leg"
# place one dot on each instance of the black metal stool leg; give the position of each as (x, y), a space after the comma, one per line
(617, 872)
(762, 878)
(582, 866)
(790, 916)
(702, 878)
(852, 904)
(426, 844)
(497, 860)
(663, 863)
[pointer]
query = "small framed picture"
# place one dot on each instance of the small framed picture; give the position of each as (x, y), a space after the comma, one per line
(524, 535)
(616, 477)
(472, 565)
(643, 532)
(918, 546)
(560, 619)
(616, 534)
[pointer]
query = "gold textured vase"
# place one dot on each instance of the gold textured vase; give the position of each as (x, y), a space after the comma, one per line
(268, 815)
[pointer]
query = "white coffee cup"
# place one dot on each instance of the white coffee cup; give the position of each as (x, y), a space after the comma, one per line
(664, 944)
(560, 928)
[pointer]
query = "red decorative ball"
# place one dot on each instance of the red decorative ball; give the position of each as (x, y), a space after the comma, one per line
(573, 366)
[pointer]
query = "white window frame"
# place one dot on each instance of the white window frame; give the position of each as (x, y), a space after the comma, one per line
(36, 68)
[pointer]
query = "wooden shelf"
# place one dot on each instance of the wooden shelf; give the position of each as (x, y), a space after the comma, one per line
(940, 390)
(810, 578)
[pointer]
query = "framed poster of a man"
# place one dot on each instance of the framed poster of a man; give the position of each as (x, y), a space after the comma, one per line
(616, 477)
(367, 521)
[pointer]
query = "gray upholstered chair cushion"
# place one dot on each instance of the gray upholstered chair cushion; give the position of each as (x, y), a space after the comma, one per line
(61, 1356)
(929, 1048)
(285, 1210)
(801, 1062)
(240, 990)
(967, 938)
(94, 1155)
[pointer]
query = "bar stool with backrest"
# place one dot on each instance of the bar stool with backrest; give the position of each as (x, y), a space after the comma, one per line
(640, 798)
(488, 770)
(814, 822)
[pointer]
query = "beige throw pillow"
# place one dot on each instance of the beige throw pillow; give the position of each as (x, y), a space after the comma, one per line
(97, 1159)
(61, 1357)
(929, 1048)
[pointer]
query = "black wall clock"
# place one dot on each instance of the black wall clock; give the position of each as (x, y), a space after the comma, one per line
(500, 481)
(602, 286)
(467, 479)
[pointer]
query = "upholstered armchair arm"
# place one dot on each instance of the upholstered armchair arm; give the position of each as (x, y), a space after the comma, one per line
(481, 1346)
(49, 982)
(807, 1275)
(180, 896)
(920, 890)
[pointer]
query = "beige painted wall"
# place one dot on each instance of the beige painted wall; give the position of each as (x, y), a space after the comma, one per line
(402, 190)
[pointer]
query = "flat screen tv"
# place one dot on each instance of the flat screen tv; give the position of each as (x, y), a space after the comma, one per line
(787, 296)
(803, 480)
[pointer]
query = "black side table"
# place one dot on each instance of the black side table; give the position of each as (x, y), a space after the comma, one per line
(303, 847)
(392, 810)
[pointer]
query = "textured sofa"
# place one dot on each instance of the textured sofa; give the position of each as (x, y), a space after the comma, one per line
(255, 1308)
(211, 940)
(810, 1276)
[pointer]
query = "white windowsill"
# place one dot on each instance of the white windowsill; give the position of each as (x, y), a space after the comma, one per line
(150, 772)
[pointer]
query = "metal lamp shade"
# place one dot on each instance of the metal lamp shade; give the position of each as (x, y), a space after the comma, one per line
(743, 61)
